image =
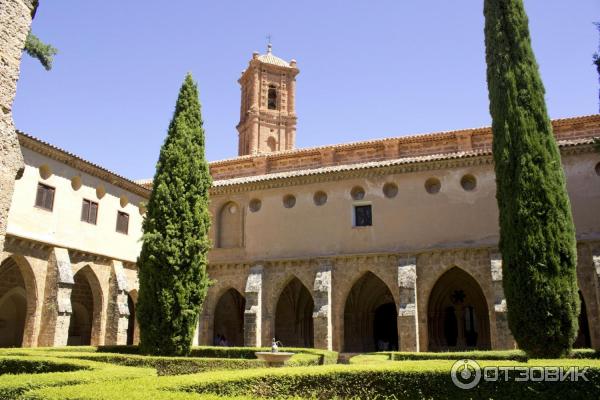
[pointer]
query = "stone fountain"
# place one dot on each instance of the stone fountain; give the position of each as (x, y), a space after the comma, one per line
(274, 358)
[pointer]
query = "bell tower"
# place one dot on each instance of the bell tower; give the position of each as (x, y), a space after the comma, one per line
(268, 105)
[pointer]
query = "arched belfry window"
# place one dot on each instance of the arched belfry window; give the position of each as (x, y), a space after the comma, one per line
(272, 98)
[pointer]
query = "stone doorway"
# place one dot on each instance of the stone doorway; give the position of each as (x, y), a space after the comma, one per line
(583, 337)
(13, 304)
(457, 316)
(293, 316)
(86, 302)
(370, 317)
(229, 319)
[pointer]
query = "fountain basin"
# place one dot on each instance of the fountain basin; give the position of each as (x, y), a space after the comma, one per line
(273, 359)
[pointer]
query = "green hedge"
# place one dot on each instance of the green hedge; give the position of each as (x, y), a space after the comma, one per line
(181, 366)
(187, 365)
(326, 357)
(19, 365)
(514, 355)
(394, 384)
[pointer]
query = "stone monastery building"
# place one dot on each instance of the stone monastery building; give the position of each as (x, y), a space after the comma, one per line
(382, 244)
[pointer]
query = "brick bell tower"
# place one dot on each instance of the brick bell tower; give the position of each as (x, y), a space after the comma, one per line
(268, 111)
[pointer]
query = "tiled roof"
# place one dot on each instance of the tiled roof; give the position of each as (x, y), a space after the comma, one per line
(269, 58)
(56, 153)
(374, 164)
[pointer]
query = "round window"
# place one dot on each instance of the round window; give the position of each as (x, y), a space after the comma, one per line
(390, 190)
(357, 193)
(468, 182)
(255, 205)
(433, 185)
(320, 198)
(289, 201)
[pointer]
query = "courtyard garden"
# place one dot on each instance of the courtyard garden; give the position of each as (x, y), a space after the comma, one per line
(118, 372)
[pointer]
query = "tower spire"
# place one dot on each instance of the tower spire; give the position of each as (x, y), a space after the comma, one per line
(269, 44)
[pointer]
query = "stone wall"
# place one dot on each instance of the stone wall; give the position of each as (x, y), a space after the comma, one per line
(15, 19)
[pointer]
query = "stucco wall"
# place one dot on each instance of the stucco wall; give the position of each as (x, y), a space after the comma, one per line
(414, 220)
(63, 226)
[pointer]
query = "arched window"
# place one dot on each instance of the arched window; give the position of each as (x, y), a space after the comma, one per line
(272, 143)
(272, 98)
(230, 226)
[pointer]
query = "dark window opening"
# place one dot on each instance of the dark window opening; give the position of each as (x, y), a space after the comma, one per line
(45, 197)
(362, 216)
(272, 98)
(122, 222)
(89, 211)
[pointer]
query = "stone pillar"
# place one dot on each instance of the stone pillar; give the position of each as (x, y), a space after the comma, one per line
(408, 324)
(254, 144)
(118, 309)
(323, 328)
(503, 337)
(253, 311)
(56, 314)
(15, 19)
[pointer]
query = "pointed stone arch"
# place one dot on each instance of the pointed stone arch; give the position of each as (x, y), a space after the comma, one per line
(85, 325)
(18, 302)
(293, 315)
(457, 313)
(370, 316)
(230, 233)
(228, 325)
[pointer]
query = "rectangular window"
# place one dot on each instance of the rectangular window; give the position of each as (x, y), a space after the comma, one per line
(363, 216)
(45, 197)
(89, 211)
(122, 222)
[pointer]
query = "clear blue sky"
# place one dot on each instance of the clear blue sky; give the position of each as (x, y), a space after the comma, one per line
(368, 69)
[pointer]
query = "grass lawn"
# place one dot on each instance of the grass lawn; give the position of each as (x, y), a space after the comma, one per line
(217, 373)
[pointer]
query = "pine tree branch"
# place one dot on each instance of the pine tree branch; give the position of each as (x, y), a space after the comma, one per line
(39, 50)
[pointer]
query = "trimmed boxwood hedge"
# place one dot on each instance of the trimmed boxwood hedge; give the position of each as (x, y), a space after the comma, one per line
(514, 355)
(19, 365)
(326, 357)
(394, 384)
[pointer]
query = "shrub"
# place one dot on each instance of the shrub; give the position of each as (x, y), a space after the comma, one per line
(19, 365)
(537, 235)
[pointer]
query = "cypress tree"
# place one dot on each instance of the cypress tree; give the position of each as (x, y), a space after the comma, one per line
(172, 264)
(537, 236)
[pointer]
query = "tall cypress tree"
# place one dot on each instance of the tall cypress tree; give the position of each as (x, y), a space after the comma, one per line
(537, 236)
(172, 264)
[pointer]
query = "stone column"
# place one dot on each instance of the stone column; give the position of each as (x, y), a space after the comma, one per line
(408, 324)
(323, 329)
(56, 314)
(503, 338)
(118, 309)
(254, 145)
(15, 19)
(253, 311)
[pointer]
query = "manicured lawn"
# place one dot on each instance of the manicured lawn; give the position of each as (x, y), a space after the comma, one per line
(89, 373)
